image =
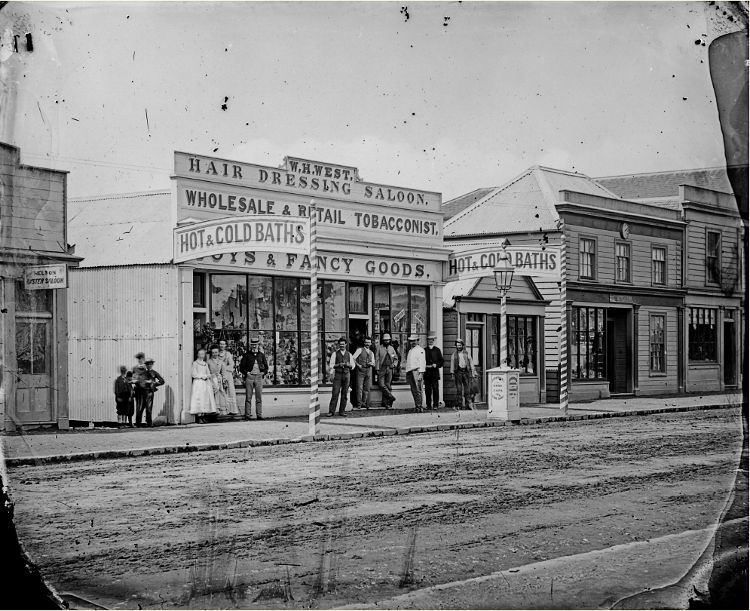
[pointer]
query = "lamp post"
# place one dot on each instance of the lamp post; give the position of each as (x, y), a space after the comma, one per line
(503, 279)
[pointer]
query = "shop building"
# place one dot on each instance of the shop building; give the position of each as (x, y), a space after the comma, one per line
(380, 256)
(624, 295)
(34, 257)
(712, 322)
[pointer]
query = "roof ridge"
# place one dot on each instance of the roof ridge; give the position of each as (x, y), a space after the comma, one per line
(662, 172)
(453, 199)
(492, 193)
(130, 195)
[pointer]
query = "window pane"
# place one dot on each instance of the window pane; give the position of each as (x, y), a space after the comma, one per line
(199, 290)
(40, 344)
(357, 299)
(399, 309)
(381, 310)
(418, 310)
(287, 357)
(400, 344)
(38, 300)
(228, 299)
(304, 304)
(266, 346)
(23, 347)
(305, 354)
(259, 309)
(286, 297)
(494, 341)
(335, 306)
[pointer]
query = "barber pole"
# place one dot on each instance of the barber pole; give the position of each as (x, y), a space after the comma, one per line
(563, 324)
(314, 411)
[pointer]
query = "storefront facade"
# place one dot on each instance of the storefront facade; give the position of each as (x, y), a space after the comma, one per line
(34, 258)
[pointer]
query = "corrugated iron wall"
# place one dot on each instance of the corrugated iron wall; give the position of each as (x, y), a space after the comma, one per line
(113, 313)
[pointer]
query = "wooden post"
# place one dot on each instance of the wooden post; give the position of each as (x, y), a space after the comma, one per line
(563, 324)
(314, 410)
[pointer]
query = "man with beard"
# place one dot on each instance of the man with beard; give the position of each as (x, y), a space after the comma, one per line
(386, 360)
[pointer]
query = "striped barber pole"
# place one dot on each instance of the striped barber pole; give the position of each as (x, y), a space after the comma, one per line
(314, 411)
(563, 323)
(503, 329)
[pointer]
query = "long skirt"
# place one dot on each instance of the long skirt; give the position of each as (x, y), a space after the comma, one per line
(202, 398)
(230, 394)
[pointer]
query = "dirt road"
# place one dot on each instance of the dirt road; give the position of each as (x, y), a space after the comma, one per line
(355, 522)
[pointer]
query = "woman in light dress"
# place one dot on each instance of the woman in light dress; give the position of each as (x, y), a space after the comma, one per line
(231, 393)
(202, 396)
(219, 384)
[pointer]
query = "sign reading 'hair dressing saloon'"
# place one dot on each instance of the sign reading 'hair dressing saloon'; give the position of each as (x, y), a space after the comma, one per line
(267, 233)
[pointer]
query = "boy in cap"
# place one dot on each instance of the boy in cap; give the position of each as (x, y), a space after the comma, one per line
(340, 366)
(462, 370)
(149, 382)
(434, 363)
(254, 366)
(415, 368)
(386, 360)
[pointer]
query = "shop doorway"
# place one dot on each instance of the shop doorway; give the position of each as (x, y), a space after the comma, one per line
(618, 363)
(475, 348)
(730, 354)
(358, 330)
(34, 400)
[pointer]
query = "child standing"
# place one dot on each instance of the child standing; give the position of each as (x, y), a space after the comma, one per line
(123, 391)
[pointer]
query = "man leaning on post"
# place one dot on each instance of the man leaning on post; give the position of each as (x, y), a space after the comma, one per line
(254, 366)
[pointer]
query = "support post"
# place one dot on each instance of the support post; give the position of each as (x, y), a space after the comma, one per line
(314, 410)
(563, 323)
(503, 329)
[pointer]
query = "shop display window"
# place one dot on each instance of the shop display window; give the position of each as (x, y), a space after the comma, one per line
(588, 343)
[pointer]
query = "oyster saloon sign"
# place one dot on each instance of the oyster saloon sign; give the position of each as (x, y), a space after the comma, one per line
(262, 232)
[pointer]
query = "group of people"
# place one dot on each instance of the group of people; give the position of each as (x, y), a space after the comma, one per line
(213, 391)
(134, 391)
(423, 366)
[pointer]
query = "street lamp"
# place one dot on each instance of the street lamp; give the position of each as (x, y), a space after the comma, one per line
(503, 279)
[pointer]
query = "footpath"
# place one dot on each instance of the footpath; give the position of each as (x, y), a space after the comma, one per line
(40, 447)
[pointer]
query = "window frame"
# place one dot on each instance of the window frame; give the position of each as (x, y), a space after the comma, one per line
(594, 261)
(663, 371)
(709, 281)
(575, 315)
(662, 247)
(699, 312)
(628, 245)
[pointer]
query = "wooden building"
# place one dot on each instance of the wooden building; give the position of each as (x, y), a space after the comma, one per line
(625, 295)
(380, 256)
(712, 323)
(33, 321)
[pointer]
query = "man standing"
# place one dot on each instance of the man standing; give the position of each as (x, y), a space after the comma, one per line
(364, 360)
(462, 370)
(254, 366)
(340, 366)
(434, 363)
(386, 360)
(149, 382)
(415, 368)
(139, 373)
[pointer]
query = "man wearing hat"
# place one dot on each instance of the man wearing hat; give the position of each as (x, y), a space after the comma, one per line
(462, 370)
(139, 372)
(340, 366)
(434, 363)
(254, 366)
(415, 368)
(386, 360)
(149, 382)
(364, 360)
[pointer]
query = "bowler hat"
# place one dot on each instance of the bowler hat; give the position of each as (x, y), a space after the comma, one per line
(459, 340)
(140, 355)
(413, 338)
(150, 360)
(254, 340)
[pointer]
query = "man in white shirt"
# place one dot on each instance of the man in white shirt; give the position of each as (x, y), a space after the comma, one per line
(415, 368)
(364, 360)
(340, 366)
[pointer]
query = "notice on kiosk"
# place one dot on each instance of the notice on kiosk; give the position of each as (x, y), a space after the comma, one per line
(267, 233)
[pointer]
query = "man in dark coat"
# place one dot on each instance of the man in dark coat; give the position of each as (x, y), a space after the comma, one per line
(254, 366)
(149, 382)
(434, 363)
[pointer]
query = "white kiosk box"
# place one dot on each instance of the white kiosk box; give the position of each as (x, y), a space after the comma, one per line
(504, 396)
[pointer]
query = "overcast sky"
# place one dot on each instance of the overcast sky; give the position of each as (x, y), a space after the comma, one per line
(457, 96)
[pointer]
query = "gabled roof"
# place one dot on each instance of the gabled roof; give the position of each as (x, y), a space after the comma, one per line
(654, 185)
(525, 204)
(456, 205)
(122, 229)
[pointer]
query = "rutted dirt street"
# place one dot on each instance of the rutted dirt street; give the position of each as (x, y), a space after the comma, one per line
(354, 522)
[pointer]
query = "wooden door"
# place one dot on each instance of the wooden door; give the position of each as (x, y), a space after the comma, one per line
(34, 400)
(475, 348)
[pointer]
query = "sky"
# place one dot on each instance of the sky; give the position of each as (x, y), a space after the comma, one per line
(442, 96)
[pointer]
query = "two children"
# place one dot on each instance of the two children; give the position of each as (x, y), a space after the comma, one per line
(124, 397)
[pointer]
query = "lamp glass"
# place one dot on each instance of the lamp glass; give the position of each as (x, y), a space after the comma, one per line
(503, 275)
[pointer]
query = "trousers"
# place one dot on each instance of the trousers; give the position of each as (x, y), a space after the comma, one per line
(363, 387)
(431, 390)
(144, 402)
(462, 379)
(254, 385)
(340, 387)
(384, 382)
(415, 384)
